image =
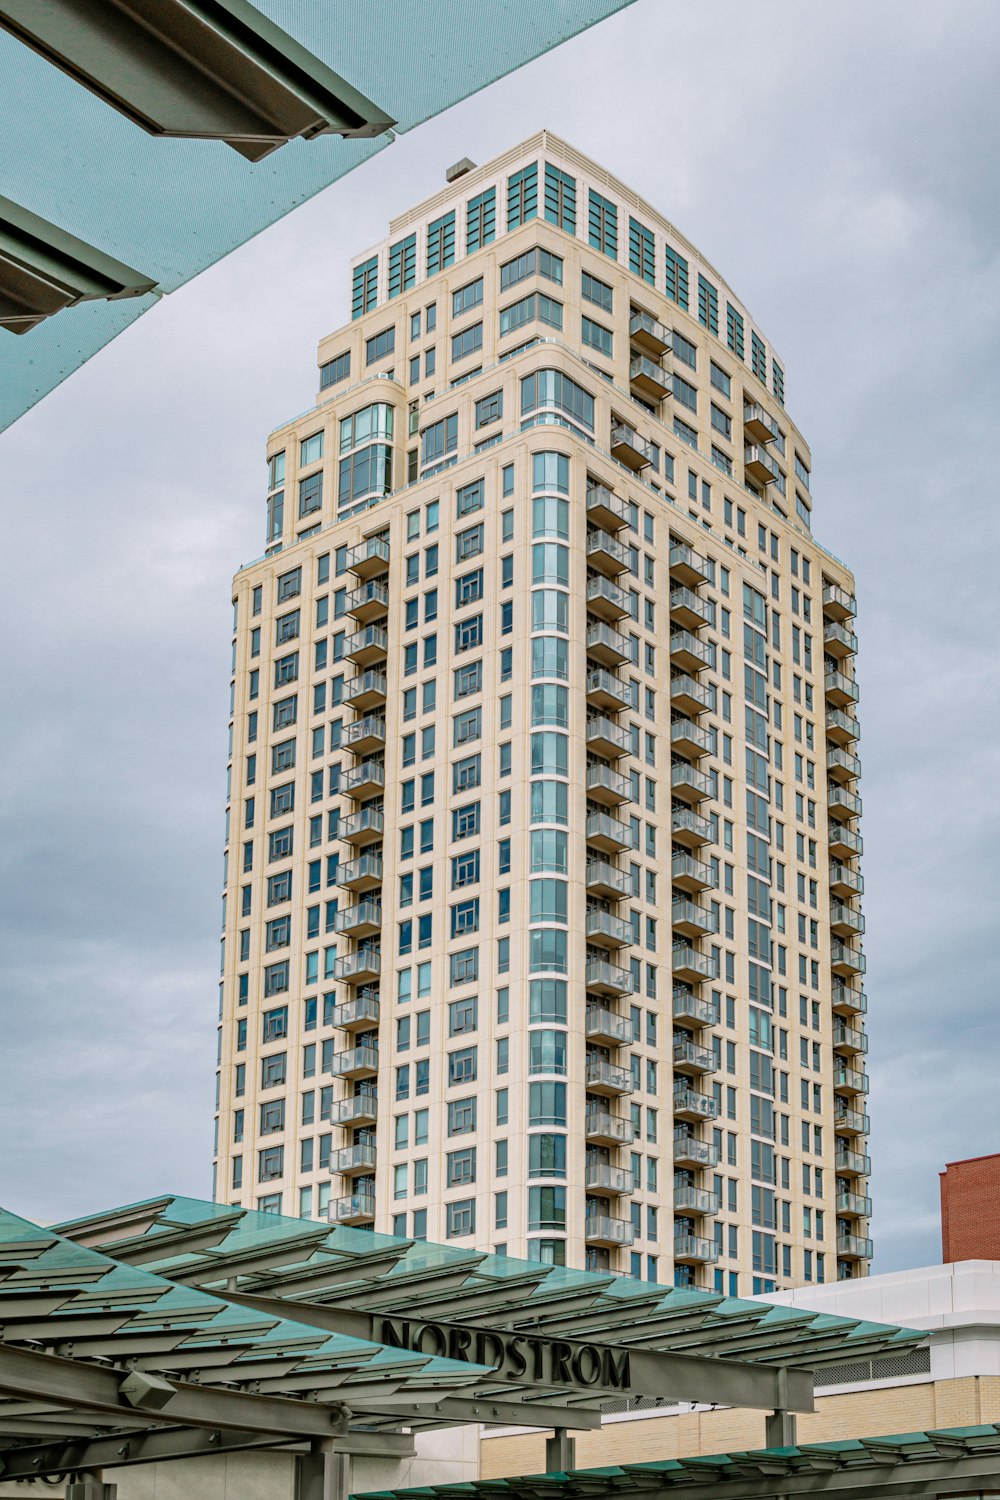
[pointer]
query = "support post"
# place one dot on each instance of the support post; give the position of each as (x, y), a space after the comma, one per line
(90, 1487)
(560, 1451)
(322, 1474)
(779, 1425)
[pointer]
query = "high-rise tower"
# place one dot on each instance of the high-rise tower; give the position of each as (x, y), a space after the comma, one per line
(541, 926)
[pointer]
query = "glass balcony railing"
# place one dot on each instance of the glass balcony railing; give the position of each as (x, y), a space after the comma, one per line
(356, 1062)
(362, 872)
(365, 964)
(605, 690)
(688, 782)
(695, 1200)
(629, 448)
(360, 1014)
(605, 506)
(688, 566)
(695, 1247)
(606, 598)
(605, 735)
(686, 735)
(838, 640)
(842, 728)
(689, 873)
(355, 1208)
(604, 927)
(758, 423)
(650, 378)
(609, 1129)
(687, 1006)
(603, 1025)
(363, 779)
(607, 1077)
(357, 1158)
(689, 827)
(606, 644)
(366, 734)
(686, 693)
(605, 784)
(852, 1163)
(838, 604)
(602, 1229)
(606, 879)
(609, 977)
(364, 826)
(688, 917)
(840, 689)
(687, 650)
(688, 608)
(855, 1246)
(355, 1111)
(759, 464)
(369, 557)
(367, 689)
(605, 552)
(365, 916)
(366, 645)
(648, 332)
(689, 1104)
(689, 1057)
(689, 1150)
(688, 963)
(604, 1177)
(606, 832)
(369, 601)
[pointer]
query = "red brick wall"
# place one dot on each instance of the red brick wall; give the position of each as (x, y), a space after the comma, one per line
(970, 1209)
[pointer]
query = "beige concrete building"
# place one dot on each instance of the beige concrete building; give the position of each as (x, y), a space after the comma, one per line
(541, 925)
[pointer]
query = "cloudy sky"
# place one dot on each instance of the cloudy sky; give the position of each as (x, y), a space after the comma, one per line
(837, 163)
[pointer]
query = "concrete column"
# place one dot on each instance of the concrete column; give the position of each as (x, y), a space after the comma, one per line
(322, 1475)
(560, 1451)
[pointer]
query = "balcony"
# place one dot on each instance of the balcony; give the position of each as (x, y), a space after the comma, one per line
(848, 1001)
(368, 690)
(356, 1208)
(605, 784)
(368, 558)
(852, 1164)
(368, 645)
(607, 645)
(606, 1129)
(360, 1014)
(356, 1062)
(689, 827)
(688, 918)
(845, 882)
(759, 465)
(354, 968)
(844, 842)
(838, 640)
(605, 507)
(687, 1006)
(695, 1200)
(842, 766)
(689, 783)
(843, 804)
(845, 921)
(364, 779)
(846, 959)
(605, 879)
(849, 1039)
(841, 728)
(689, 1151)
(366, 826)
(690, 610)
(362, 920)
(608, 931)
(602, 1229)
(854, 1247)
(350, 1161)
(688, 695)
(368, 602)
(690, 1058)
(606, 737)
(687, 963)
(695, 1248)
(687, 566)
(690, 874)
(690, 738)
(361, 874)
(607, 1027)
(606, 833)
(629, 448)
(758, 423)
(607, 1078)
(838, 604)
(848, 1121)
(840, 689)
(606, 553)
(648, 333)
(366, 735)
(605, 690)
(607, 978)
(849, 1080)
(650, 379)
(854, 1206)
(602, 1177)
(688, 652)
(356, 1111)
(606, 599)
(690, 1105)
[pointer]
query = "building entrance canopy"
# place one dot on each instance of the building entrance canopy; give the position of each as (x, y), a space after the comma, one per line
(176, 1326)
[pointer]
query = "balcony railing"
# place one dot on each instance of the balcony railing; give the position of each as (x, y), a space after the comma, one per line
(758, 464)
(361, 873)
(355, 1208)
(689, 695)
(606, 736)
(648, 332)
(689, 1057)
(356, 1062)
(689, 918)
(605, 507)
(606, 832)
(368, 558)
(687, 651)
(852, 1164)
(688, 963)
(605, 690)
(367, 645)
(357, 1158)
(360, 1014)
(689, 1104)
(688, 782)
(610, 931)
(607, 645)
(758, 423)
(849, 1001)
(606, 1128)
(844, 920)
(841, 728)
(603, 1077)
(846, 959)
(363, 779)
(690, 1151)
(840, 689)
(695, 1200)
(844, 841)
(690, 874)
(366, 826)
(606, 598)
(688, 566)
(838, 604)
(605, 879)
(607, 977)
(650, 378)
(367, 690)
(629, 448)
(605, 784)
(355, 1111)
(855, 1246)
(606, 553)
(367, 734)
(695, 1247)
(360, 920)
(849, 1038)
(689, 827)
(602, 1229)
(353, 967)
(838, 640)
(854, 1205)
(842, 766)
(603, 1025)
(689, 608)
(844, 804)
(369, 601)
(688, 1006)
(688, 736)
(849, 1080)
(850, 1121)
(844, 881)
(603, 1177)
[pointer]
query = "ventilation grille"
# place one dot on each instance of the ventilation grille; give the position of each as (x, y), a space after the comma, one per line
(916, 1362)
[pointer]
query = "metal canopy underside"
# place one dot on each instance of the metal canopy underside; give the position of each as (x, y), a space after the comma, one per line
(207, 1245)
(170, 208)
(952, 1461)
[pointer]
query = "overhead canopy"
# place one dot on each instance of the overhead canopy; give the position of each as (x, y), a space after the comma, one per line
(86, 82)
(952, 1461)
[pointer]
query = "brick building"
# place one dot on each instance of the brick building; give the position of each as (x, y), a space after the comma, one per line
(970, 1209)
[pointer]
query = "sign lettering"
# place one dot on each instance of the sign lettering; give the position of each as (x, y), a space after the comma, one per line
(514, 1356)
